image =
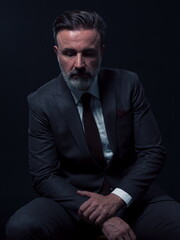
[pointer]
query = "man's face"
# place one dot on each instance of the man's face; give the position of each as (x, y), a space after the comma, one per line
(79, 56)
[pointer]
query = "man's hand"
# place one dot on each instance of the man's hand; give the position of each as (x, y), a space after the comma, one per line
(116, 229)
(99, 208)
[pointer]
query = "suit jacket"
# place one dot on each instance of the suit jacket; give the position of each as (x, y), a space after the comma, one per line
(60, 162)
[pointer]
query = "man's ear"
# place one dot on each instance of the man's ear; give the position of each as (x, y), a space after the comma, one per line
(56, 52)
(56, 49)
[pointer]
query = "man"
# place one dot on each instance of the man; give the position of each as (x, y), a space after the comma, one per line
(95, 149)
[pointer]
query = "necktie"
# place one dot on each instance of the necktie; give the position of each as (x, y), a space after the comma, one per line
(91, 130)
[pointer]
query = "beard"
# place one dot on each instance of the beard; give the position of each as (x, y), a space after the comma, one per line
(80, 79)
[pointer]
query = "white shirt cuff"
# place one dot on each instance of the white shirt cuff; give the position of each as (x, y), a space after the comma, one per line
(124, 195)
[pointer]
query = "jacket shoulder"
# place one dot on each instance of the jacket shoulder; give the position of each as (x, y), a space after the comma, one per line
(120, 76)
(44, 93)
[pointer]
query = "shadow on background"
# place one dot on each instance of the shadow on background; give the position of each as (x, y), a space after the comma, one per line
(142, 37)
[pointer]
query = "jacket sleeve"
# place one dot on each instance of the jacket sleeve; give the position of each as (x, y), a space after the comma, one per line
(45, 163)
(150, 154)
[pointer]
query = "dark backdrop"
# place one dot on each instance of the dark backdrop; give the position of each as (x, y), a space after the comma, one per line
(142, 36)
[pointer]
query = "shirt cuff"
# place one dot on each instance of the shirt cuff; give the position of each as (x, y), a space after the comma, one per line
(124, 195)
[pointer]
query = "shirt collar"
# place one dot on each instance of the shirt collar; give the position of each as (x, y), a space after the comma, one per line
(94, 90)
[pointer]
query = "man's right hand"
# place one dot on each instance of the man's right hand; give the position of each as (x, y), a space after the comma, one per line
(116, 229)
(98, 208)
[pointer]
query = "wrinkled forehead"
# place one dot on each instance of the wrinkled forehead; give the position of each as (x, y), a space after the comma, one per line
(78, 39)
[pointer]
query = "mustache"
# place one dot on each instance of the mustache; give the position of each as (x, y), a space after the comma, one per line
(80, 71)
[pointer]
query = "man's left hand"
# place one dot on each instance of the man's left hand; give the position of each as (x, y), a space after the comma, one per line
(99, 208)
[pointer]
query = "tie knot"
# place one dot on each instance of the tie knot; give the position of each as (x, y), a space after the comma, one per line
(86, 98)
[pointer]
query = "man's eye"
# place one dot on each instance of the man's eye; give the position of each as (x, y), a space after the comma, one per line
(69, 53)
(90, 53)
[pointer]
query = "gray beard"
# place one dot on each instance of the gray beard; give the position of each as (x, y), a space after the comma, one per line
(79, 83)
(82, 84)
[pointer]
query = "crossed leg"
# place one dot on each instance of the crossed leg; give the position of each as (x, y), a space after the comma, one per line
(40, 219)
(45, 219)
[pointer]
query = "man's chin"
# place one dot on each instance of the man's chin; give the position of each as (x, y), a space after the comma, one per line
(81, 84)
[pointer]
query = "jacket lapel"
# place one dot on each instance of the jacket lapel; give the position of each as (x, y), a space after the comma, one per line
(70, 113)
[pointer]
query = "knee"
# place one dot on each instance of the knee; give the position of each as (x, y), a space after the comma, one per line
(21, 227)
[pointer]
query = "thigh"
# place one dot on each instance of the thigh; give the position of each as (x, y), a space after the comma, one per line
(43, 219)
(158, 220)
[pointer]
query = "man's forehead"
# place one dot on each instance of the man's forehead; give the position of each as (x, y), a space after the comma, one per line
(82, 37)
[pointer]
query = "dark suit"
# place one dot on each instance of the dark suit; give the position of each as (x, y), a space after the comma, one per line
(60, 162)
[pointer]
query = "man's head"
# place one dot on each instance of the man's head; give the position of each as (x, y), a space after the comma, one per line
(79, 38)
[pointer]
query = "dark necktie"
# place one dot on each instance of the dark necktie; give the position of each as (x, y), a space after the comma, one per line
(91, 130)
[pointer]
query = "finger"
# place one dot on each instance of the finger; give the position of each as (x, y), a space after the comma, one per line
(94, 216)
(129, 235)
(132, 235)
(84, 207)
(88, 212)
(99, 220)
(84, 193)
(126, 237)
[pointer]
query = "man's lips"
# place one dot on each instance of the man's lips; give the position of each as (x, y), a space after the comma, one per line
(80, 75)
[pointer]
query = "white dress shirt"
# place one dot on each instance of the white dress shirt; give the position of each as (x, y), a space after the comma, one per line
(98, 116)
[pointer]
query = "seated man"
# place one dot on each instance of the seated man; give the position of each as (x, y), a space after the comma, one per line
(95, 149)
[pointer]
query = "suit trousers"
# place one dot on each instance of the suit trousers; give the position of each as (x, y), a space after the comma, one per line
(45, 219)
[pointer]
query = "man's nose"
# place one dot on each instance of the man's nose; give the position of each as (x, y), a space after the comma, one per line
(79, 61)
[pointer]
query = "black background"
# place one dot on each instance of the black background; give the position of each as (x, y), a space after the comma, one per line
(142, 36)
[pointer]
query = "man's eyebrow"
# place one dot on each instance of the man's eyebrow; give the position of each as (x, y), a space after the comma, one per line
(67, 49)
(72, 49)
(89, 49)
